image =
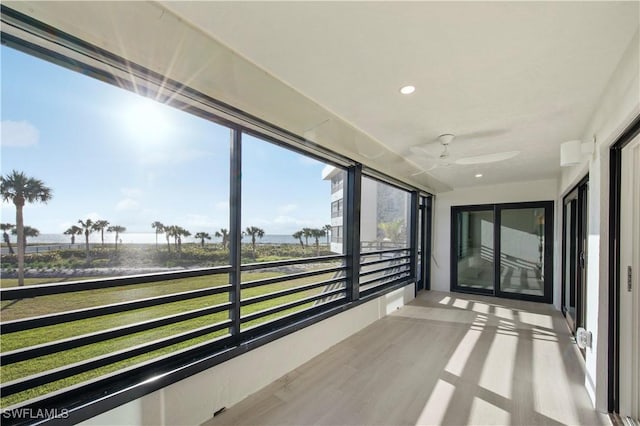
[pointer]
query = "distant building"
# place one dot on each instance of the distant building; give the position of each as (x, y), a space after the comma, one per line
(337, 178)
(381, 203)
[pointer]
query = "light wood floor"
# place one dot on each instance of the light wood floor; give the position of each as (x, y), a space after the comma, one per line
(445, 358)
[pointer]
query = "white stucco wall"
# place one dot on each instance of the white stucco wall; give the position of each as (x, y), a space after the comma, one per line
(619, 105)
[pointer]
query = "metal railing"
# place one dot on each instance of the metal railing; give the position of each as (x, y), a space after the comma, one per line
(383, 268)
(320, 284)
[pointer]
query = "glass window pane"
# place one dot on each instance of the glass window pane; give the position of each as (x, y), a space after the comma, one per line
(137, 186)
(384, 216)
(569, 260)
(522, 266)
(292, 208)
(384, 223)
(290, 203)
(474, 249)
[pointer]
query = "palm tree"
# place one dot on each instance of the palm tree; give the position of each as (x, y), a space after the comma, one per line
(20, 189)
(317, 234)
(182, 233)
(73, 231)
(391, 231)
(5, 237)
(159, 227)
(177, 232)
(118, 230)
(298, 236)
(327, 230)
(101, 225)
(87, 229)
(202, 236)
(169, 231)
(254, 231)
(28, 232)
(306, 233)
(224, 234)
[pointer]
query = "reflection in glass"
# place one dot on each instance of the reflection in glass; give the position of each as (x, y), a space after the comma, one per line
(522, 266)
(384, 216)
(475, 249)
(384, 231)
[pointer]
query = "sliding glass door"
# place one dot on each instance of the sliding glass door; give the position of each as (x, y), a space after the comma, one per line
(474, 249)
(504, 250)
(525, 248)
(574, 248)
(423, 272)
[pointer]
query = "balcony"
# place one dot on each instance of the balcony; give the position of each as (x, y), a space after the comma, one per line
(442, 359)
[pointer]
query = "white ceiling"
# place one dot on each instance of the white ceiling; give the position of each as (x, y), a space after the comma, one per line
(502, 76)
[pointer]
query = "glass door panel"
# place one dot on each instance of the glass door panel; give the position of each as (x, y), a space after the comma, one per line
(474, 249)
(522, 251)
(419, 271)
(504, 250)
(569, 263)
(574, 260)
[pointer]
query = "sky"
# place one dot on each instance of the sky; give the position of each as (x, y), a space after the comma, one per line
(111, 154)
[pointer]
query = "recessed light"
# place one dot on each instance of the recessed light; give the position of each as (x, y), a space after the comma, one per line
(407, 90)
(479, 175)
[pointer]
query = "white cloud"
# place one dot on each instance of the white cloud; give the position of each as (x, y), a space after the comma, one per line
(131, 192)
(222, 205)
(92, 215)
(127, 204)
(19, 133)
(202, 222)
(287, 208)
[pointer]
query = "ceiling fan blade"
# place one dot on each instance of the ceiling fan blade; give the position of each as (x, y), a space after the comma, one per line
(426, 150)
(482, 134)
(487, 158)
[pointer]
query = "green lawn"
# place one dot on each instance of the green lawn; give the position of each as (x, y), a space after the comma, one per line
(77, 300)
(13, 282)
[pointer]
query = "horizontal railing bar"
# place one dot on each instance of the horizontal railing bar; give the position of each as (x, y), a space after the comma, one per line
(299, 261)
(286, 306)
(289, 277)
(283, 319)
(404, 267)
(13, 293)
(29, 382)
(389, 259)
(62, 317)
(373, 291)
(276, 294)
(395, 276)
(35, 351)
(371, 253)
(211, 358)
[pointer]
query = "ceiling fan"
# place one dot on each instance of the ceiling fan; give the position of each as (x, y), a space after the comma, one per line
(439, 154)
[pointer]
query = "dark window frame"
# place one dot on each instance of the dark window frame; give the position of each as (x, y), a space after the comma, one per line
(615, 194)
(497, 208)
(576, 193)
(94, 397)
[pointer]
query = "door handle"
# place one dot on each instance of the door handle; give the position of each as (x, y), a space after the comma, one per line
(582, 259)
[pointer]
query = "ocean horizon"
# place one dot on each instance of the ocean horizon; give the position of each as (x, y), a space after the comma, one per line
(150, 238)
